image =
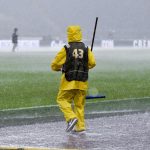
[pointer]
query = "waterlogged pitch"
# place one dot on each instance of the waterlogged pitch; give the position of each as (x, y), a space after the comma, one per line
(128, 132)
(26, 79)
(122, 75)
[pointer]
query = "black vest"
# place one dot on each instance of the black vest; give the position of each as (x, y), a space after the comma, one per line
(76, 65)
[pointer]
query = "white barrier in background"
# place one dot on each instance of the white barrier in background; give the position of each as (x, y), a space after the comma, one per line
(30, 45)
(107, 43)
(57, 44)
(141, 43)
(6, 45)
(34, 45)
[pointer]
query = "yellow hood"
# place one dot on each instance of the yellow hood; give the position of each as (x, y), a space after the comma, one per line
(74, 34)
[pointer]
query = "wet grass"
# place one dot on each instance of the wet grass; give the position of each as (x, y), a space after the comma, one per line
(26, 79)
(142, 104)
(22, 89)
(121, 85)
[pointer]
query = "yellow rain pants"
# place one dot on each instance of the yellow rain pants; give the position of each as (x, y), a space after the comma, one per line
(70, 110)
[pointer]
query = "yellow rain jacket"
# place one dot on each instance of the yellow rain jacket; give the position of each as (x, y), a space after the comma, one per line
(72, 90)
(74, 35)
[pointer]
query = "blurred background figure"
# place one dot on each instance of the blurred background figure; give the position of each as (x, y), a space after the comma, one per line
(14, 39)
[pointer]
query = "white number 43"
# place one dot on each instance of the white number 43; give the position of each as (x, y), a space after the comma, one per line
(78, 53)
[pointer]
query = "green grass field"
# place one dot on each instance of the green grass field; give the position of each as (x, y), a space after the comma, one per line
(26, 79)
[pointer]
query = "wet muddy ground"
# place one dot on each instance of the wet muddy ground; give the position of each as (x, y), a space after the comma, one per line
(127, 132)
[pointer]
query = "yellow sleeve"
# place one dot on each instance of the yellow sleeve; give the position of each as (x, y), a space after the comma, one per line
(91, 59)
(59, 60)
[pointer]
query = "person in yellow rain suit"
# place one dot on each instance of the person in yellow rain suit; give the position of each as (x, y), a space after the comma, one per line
(74, 60)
